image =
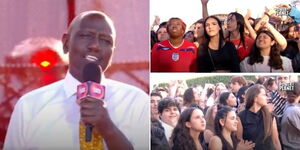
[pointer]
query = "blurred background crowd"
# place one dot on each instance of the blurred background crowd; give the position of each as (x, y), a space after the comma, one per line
(260, 112)
(237, 42)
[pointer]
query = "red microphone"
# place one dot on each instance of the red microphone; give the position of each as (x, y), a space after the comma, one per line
(91, 87)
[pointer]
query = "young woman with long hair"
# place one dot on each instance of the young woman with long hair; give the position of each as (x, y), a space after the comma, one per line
(217, 55)
(225, 126)
(265, 55)
(236, 35)
(187, 133)
(190, 98)
(228, 99)
(199, 32)
(256, 122)
(199, 26)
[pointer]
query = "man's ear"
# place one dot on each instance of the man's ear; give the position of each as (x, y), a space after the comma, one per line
(65, 41)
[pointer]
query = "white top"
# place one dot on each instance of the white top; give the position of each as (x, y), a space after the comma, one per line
(48, 117)
(264, 67)
(168, 130)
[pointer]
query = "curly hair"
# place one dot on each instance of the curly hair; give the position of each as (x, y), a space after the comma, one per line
(181, 138)
(255, 56)
(222, 114)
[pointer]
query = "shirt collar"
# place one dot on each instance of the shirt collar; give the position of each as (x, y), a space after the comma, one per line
(165, 125)
(70, 84)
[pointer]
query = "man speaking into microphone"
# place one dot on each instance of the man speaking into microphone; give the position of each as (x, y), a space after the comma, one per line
(52, 117)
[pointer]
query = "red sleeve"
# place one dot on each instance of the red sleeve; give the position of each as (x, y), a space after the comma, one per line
(154, 59)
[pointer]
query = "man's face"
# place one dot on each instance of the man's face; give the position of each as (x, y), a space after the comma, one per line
(283, 79)
(235, 86)
(170, 115)
(154, 102)
(92, 40)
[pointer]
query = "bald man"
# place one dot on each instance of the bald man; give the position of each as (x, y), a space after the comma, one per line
(49, 117)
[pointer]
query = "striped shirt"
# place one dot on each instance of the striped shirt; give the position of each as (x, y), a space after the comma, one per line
(279, 103)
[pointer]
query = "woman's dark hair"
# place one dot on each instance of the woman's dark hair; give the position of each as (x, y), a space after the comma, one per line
(222, 114)
(255, 56)
(188, 97)
(261, 80)
(285, 32)
(294, 92)
(221, 38)
(242, 92)
(201, 21)
(181, 138)
(162, 25)
(241, 25)
(251, 94)
(153, 36)
(223, 98)
(252, 25)
(190, 32)
(209, 92)
(269, 82)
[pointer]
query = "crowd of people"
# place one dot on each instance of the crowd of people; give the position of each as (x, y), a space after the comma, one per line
(237, 44)
(243, 115)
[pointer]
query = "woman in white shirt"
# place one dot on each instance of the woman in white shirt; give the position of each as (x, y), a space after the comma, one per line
(265, 55)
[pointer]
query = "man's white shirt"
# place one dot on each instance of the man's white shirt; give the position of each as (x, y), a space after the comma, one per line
(48, 118)
(168, 130)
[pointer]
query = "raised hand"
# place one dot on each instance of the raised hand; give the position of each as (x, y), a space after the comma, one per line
(156, 21)
(204, 1)
(248, 14)
(270, 12)
(266, 25)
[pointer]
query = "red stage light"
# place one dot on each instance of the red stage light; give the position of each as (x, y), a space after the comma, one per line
(45, 58)
(45, 63)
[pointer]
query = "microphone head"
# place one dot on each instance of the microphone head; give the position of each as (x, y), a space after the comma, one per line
(92, 72)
